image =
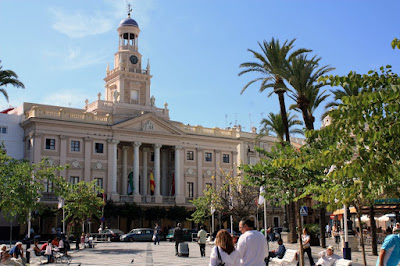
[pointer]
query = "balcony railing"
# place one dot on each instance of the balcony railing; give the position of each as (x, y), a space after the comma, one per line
(169, 199)
(48, 196)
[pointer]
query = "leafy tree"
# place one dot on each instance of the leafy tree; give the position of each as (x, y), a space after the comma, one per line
(80, 201)
(396, 43)
(22, 184)
(154, 213)
(202, 207)
(270, 64)
(274, 123)
(8, 77)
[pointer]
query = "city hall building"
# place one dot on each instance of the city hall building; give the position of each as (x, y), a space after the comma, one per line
(125, 134)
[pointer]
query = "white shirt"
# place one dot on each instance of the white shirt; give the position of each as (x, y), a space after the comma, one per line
(229, 260)
(253, 248)
(326, 260)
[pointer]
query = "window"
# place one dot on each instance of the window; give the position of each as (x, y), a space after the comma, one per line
(134, 95)
(99, 147)
(151, 156)
(208, 156)
(48, 186)
(99, 183)
(225, 158)
(190, 189)
(75, 145)
(50, 144)
(74, 180)
(3, 130)
(190, 156)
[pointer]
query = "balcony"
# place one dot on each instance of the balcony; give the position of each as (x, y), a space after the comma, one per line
(48, 197)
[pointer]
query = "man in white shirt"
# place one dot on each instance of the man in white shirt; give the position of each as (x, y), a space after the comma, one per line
(252, 245)
(327, 258)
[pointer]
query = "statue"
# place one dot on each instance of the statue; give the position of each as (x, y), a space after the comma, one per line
(152, 100)
(115, 95)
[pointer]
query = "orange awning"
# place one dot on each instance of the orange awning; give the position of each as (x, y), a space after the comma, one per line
(340, 211)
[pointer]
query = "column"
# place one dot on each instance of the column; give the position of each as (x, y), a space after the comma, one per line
(164, 172)
(200, 158)
(157, 169)
(218, 167)
(37, 148)
(145, 180)
(136, 146)
(124, 178)
(234, 163)
(88, 158)
(179, 197)
(112, 168)
(63, 154)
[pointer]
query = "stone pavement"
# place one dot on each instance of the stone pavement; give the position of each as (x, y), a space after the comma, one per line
(146, 253)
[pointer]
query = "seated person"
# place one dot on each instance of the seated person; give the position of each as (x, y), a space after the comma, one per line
(280, 252)
(55, 241)
(36, 249)
(17, 253)
(327, 258)
(5, 258)
(61, 245)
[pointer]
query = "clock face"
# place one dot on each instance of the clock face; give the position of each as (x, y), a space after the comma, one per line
(133, 59)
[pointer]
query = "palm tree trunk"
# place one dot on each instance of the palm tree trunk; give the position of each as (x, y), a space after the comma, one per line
(373, 231)
(284, 114)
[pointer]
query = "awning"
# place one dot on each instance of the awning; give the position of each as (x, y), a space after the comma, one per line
(340, 211)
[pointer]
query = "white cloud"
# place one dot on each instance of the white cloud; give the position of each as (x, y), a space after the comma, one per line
(78, 24)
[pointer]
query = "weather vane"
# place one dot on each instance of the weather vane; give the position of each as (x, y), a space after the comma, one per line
(129, 9)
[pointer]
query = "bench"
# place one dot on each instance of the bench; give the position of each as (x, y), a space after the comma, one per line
(343, 262)
(288, 259)
(36, 260)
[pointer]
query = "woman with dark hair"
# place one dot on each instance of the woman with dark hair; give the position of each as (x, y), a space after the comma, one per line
(224, 251)
(305, 241)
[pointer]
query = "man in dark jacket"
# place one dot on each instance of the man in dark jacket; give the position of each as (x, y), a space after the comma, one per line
(178, 237)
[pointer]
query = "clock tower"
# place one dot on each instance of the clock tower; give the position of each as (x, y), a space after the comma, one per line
(128, 83)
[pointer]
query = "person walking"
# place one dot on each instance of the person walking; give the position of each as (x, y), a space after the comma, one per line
(224, 253)
(390, 251)
(202, 239)
(252, 245)
(178, 237)
(305, 240)
(156, 236)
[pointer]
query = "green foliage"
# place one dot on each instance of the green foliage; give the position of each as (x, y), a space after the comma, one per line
(177, 213)
(202, 207)
(396, 43)
(8, 77)
(274, 123)
(80, 200)
(155, 213)
(22, 184)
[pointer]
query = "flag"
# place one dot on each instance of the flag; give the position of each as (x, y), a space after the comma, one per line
(152, 183)
(173, 184)
(130, 183)
(104, 197)
(261, 197)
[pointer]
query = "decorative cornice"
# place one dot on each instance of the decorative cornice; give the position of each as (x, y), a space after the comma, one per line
(199, 149)
(136, 144)
(157, 146)
(177, 147)
(113, 141)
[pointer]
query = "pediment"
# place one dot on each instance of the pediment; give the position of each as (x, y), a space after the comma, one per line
(149, 123)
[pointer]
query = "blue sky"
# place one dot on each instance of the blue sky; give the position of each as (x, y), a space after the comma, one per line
(60, 49)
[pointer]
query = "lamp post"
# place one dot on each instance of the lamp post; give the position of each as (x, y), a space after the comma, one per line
(346, 249)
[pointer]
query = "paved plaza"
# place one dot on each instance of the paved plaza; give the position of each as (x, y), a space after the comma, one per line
(146, 253)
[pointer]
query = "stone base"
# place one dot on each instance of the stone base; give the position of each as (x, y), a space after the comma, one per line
(285, 237)
(353, 242)
(180, 199)
(137, 198)
(158, 199)
(115, 197)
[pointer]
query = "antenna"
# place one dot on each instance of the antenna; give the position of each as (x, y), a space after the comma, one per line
(129, 8)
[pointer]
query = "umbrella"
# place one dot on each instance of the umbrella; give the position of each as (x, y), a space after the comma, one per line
(383, 218)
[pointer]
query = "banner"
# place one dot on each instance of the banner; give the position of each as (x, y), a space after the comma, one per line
(152, 183)
(130, 183)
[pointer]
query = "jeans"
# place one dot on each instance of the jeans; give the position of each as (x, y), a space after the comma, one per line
(308, 251)
(202, 249)
(157, 239)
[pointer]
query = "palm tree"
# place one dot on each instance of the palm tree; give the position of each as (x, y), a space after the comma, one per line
(8, 77)
(303, 75)
(274, 124)
(270, 63)
(347, 90)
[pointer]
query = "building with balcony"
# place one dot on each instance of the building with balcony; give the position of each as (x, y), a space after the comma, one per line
(126, 136)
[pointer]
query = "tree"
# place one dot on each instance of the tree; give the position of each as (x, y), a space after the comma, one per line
(80, 200)
(303, 75)
(8, 77)
(22, 184)
(274, 123)
(270, 64)
(202, 207)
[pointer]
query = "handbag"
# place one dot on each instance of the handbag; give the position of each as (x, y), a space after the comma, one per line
(220, 262)
(154, 238)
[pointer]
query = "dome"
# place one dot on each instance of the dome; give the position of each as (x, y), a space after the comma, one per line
(128, 22)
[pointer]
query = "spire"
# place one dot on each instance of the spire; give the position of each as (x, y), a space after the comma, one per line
(148, 67)
(108, 68)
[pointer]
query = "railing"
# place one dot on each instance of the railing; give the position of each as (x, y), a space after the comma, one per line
(208, 131)
(137, 70)
(67, 115)
(168, 199)
(126, 198)
(48, 196)
(148, 199)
